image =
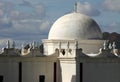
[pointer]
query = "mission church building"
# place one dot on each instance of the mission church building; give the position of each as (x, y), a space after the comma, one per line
(73, 52)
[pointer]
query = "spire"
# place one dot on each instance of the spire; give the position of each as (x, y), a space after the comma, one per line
(75, 7)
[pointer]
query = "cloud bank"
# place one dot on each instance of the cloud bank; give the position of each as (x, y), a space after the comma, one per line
(23, 21)
(113, 27)
(112, 5)
(88, 9)
(27, 20)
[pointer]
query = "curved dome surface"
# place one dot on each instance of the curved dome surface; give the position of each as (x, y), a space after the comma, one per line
(75, 26)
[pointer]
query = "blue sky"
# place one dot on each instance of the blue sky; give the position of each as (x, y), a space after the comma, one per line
(30, 20)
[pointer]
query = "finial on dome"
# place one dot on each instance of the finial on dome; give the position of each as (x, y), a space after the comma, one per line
(75, 7)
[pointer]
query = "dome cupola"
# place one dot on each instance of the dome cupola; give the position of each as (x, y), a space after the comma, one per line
(75, 26)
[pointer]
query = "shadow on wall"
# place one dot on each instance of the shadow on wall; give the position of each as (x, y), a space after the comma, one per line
(59, 71)
(73, 79)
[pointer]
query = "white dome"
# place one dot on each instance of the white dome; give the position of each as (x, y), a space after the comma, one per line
(75, 26)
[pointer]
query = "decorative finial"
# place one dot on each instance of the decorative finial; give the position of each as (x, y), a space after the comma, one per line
(33, 44)
(68, 44)
(76, 44)
(8, 44)
(105, 45)
(13, 45)
(23, 45)
(75, 7)
(114, 45)
(59, 45)
(110, 46)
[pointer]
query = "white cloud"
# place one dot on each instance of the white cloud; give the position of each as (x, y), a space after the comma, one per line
(23, 24)
(14, 14)
(88, 9)
(44, 26)
(25, 3)
(112, 5)
(31, 20)
(1, 4)
(113, 27)
(5, 22)
(3, 42)
(40, 9)
(26, 27)
(1, 12)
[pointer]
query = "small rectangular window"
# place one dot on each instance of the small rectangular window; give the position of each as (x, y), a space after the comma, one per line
(20, 71)
(81, 72)
(55, 71)
(1, 78)
(42, 78)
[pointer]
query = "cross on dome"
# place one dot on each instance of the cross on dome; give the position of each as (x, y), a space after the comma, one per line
(75, 7)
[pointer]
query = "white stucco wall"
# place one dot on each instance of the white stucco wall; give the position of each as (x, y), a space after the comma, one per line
(68, 70)
(32, 71)
(101, 72)
(9, 71)
(91, 46)
(88, 46)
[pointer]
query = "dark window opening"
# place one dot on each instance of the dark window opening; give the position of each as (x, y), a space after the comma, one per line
(81, 72)
(42, 78)
(63, 51)
(20, 71)
(1, 78)
(55, 71)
